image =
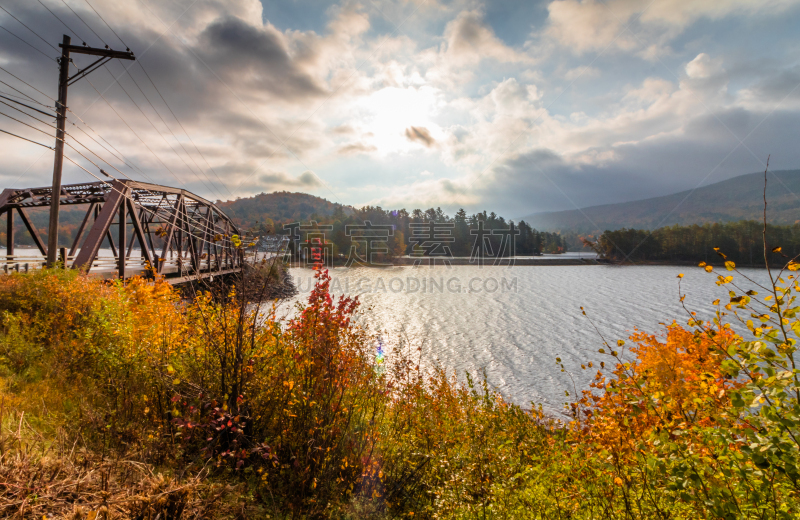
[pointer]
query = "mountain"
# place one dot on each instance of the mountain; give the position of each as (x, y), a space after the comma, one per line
(739, 198)
(278, 207)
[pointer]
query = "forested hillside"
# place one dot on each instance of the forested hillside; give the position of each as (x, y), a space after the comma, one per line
(266, 209)
(740, 198)
(270, 213)
(741, 242)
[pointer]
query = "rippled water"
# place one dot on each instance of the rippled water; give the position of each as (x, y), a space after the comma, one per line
(513, 322)
(515, 331)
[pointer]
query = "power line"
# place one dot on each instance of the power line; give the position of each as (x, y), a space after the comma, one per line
(27, 114)
(153, 42)
(77, 141)
(28, 44)
(84, 23)
(31, 30)
(129, 162)
(24, 123)
(184, 129)
(64, 141)
(182, 220)
(63, 23)
(57, 138)
(153, 125)
(212, 188)
(91, 151)
(105, 22)
(45, 133)
(26, 96)
(26, 139)
(23, 81)
(81, 167)
(68, 144)
(125, 160)
(132, 130)
(168, 108)
(27, 106)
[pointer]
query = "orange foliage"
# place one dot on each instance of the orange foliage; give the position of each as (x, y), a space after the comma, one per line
(671, 384)
(152, 308)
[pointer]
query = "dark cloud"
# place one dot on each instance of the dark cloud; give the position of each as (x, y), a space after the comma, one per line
(468, 31)
(707, 151)
(420, 134)
(778, 87)
(257, 56)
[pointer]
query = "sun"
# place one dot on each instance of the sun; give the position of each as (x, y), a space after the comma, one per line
(389, 112)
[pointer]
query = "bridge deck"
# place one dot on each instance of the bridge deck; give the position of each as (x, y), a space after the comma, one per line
(107, 267)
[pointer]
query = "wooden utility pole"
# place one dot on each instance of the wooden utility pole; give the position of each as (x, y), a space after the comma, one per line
(64, 81)
(61, 118)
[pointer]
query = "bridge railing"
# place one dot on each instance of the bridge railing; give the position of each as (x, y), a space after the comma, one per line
(110, 265)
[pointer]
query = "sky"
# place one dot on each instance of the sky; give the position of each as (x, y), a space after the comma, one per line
(515, 107)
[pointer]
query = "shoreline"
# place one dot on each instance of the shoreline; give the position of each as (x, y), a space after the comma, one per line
(440, 262)
(528, 262)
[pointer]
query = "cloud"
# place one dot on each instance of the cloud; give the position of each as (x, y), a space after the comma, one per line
(258, 56)
(257, 97)
(356, 148)
(703, 153)
(420, 135)
(592, 25)
(470, 39)
(582, 73)
(429, 193)
(542, 179)
(777, 89)
(343, 130)
(282, 180)
(703, 66)
(586, 25)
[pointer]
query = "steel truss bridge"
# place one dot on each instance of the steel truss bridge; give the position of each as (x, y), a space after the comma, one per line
(179, 235)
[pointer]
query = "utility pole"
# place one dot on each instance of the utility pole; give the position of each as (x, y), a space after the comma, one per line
(64, 81)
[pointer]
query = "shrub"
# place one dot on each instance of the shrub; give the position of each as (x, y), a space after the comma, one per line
(694, 422)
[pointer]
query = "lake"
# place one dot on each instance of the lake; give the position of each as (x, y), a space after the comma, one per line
(513, 322)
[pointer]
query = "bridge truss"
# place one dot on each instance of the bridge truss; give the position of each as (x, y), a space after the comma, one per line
(181, 236)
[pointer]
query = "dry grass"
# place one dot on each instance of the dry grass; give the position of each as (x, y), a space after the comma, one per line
(61, 478)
